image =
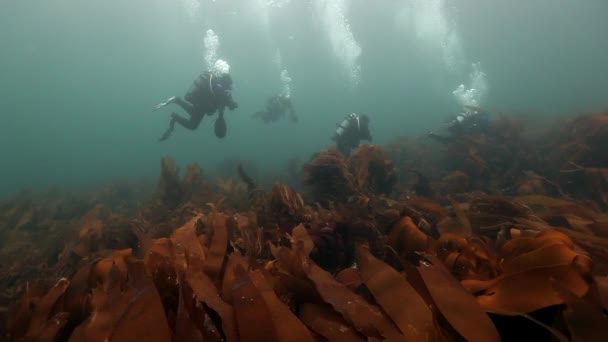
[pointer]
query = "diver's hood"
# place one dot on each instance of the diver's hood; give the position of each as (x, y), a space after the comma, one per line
(220, 68)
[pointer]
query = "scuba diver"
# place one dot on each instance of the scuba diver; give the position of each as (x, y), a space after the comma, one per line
(276, 107)
(472, 121)
(350, 132)
(210, 92)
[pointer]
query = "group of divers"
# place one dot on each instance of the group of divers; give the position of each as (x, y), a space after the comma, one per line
(211, 92)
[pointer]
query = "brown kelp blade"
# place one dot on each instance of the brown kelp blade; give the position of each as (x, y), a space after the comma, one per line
(406, 237)
(396, 297)
(531, 290)
(529, 264)
(366, 318)
(326, 322)
(217, 250)
(234, 260)
(301, 239)
(42, 309)
(205, 291)
(185, 241)
(253, 316)
(585, 321)
(602, 289)
(185, 328)
(458, 306)
(109, 303)
(287, 326)
(552, 255)
(52, 327)
(144, 318)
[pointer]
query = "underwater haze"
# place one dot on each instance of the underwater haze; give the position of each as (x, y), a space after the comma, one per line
(79, 79)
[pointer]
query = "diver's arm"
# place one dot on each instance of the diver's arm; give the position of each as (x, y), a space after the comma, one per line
(229, 102)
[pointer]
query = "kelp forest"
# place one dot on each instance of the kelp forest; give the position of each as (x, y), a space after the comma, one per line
(499, 235)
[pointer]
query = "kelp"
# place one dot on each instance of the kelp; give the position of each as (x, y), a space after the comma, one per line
(586, 321)
(250, 309)
(467, 257)
(334, 178)
(549, 256)
(590, 130)
(456, 305)
(34, 318)
(285, 208)
(208, 261)
(454, 182)
(373, 172)
(235, 260)
(170, 191)
(288, 326)
(438, 306)
(406, 238)
(391, 290)
(364, 317)
(327, 323)
(214, 259)
(124, 313)
(329, 179)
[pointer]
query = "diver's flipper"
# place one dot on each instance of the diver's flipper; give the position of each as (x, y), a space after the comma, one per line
(220, 127)
(166, 135)
(162, 104)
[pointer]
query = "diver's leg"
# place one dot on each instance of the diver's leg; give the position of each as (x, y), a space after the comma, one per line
(186, 106)
(190, 124)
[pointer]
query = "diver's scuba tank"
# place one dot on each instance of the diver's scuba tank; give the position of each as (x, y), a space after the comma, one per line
(345, 124)
(461, 118)
(197, 89)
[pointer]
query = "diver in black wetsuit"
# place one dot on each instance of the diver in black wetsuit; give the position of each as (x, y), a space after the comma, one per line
(350, 132)
(474, 121)
(209, 93)
(276, 107)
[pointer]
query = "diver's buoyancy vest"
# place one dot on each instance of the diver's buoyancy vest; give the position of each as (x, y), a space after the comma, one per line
(205, 91)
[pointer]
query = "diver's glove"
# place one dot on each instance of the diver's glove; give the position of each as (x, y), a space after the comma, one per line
(161, 105)
(233, 105)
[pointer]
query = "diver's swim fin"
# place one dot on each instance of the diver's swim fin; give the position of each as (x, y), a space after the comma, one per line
(162, 104)
(166, 135)
(220, 127)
